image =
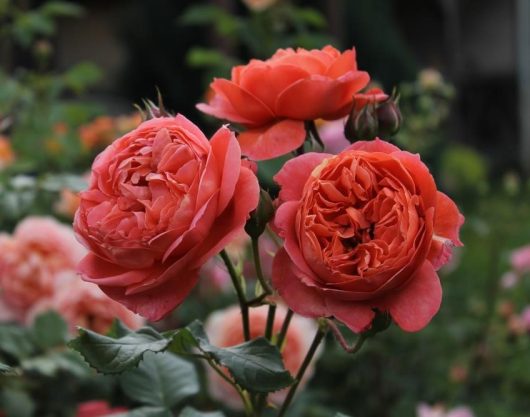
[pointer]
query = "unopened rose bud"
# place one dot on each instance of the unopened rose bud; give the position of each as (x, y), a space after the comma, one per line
(363, 124)
(260, 217)
(388, 117)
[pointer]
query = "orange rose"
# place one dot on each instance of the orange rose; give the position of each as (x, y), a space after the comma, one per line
(273, 98)
(162, 200)
(364, 230)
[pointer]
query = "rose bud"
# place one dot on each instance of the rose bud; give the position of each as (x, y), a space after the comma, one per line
(259, 218)
(389, 117)
(363, 123)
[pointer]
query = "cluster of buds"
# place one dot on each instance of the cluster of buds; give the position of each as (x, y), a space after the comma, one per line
(374, 114)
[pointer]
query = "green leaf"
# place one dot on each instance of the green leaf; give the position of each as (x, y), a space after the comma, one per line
(15, 341)
(54, 362)
(146, 412)
(191, 412)
(311, 16)
(15, 403)
(201, 15)
(81, 76)
(118, 329)
(161, 379)
(49, 330)
(61, 8)
(111, 356)
(255, 365)
(341, 415)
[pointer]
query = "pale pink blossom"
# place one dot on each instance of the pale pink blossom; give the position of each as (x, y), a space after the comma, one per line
(520, 259)
(83, 304)
(332, 134)
(30, 258)
(224, 329)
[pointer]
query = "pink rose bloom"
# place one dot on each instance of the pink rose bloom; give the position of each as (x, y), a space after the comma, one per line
(162, 200)
(520, 259)
(525, 318)
(424, 410)
(214, 278)
(97, 409)
(224, 329)
(39, 248)
(509, 280)
(84, 304)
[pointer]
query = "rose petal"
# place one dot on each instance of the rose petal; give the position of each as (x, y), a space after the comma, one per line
(376, 145)
(357, 316)
(294, 174)
(415, 305)
(273, 140)
(302, 299)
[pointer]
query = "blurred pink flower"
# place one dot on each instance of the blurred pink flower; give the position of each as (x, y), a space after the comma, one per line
(224, 329)
(332, 134)
(525, 318)
(30, 258)
(83, 304)
(425, 410)
(97, 409)
(520, 259)
(509, 280)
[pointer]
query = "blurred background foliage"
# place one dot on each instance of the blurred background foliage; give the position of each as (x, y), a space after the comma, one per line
(71, 71)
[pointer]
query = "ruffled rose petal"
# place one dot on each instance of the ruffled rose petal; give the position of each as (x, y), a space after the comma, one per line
(413, 307)
(99, 271)
(302, 299)
(294, 174)
(273, 140)
(376, 145)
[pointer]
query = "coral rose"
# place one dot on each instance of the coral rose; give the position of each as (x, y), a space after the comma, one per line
(30, 259)
(366, 229)
(84, 304)
(224, 329)
(97, 409)
(162, 200)
(273, 98)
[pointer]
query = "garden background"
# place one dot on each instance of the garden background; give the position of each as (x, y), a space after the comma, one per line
(70, 74)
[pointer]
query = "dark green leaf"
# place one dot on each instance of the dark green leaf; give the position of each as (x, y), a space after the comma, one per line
(255, 365)
(15, 403)
(61, 8)
(110, 356)
(118, 329)
(15, 341)
(161, 379)
(54, 362)
(49, 330)
(201, 15)
(191, 412)
(81, 76)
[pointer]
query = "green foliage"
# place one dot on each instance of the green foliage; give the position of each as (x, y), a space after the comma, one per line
(161, 379)
(111, 356)
(146, 412)
(191, 412)
(50, 330)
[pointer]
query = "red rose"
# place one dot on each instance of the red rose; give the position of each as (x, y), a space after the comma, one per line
(162, 200)
(363, 230)
(273, 98)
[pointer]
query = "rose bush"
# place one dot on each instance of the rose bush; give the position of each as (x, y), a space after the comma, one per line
(273, 98)
(162, 200)
(364, 230)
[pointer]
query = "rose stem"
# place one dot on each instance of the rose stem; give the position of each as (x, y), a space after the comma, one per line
(249, 409)
(259, 271)
(240, 293)
(270, 321)
(342, 341)
(321, 332)
(285, 326)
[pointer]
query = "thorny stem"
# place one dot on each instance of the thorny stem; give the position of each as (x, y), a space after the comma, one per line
(259, 271)
(321, 332)
(240, 293)
(342, 341)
